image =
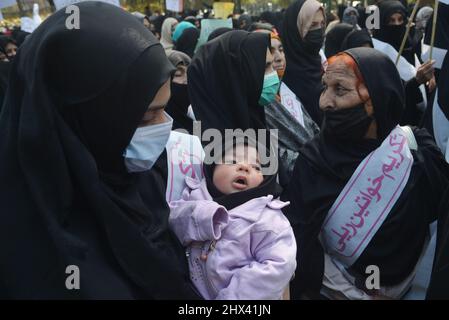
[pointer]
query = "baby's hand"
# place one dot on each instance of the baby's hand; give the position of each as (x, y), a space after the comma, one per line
(205, 253)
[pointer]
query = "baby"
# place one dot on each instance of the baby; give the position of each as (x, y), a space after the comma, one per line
(239, 244)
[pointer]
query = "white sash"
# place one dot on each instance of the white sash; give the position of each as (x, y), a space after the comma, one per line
(366, 200)
(185, 157)
(291, 103)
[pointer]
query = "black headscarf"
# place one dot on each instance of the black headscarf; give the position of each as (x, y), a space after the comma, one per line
(393, 35)
(218, 32)
(343, 36)
(324, 166)
(65, 195)
(335, 37)
(179, 102)
(244, 19)
(303, 71)
(226, 79)
(187, 41)
(271, 18)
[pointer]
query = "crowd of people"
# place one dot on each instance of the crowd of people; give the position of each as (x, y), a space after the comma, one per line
(282, 158)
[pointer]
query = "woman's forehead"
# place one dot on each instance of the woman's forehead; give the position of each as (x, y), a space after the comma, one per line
(339, 71)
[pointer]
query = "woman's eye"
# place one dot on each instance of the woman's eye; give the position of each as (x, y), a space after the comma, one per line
(341, 91)
(257, 168)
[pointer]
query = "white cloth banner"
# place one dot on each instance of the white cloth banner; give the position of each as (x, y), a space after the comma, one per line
(366, 200)
(405, 69)
(64, 3)
(7, 3)
(291, 103)
(438, 55)
(185, 157)
(175, 5)
(27, 24)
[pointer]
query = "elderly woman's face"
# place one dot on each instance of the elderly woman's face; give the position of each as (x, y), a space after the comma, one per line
(340, 89)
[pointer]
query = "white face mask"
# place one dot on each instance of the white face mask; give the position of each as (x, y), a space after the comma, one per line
(147, 145)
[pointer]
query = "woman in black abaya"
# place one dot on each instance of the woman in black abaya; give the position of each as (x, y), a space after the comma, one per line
(226, 79)
(66, 196)
(303, 38)
(325, 165)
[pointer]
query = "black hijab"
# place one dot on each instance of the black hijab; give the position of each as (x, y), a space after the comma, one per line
(343, 36)
(225, 81)
(187, 41)
(304, 70)
(65, 195)
(218, 32)
(335, 37)
(179, 102)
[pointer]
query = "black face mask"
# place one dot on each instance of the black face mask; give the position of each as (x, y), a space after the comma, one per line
(347, 124)
(313, 41)
(180, 96)
(394, 35)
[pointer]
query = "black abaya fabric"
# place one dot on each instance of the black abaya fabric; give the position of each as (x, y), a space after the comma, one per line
(304, 70)
(325, 165)
(343, 37)
(74, 101)
(4, 75)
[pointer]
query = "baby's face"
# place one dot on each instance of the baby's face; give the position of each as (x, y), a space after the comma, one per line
(240, 172)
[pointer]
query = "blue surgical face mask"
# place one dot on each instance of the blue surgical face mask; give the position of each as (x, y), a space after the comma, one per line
(147, 145)
(270, 88)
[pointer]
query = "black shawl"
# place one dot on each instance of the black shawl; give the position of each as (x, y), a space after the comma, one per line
(303, 71)
(187, 41)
